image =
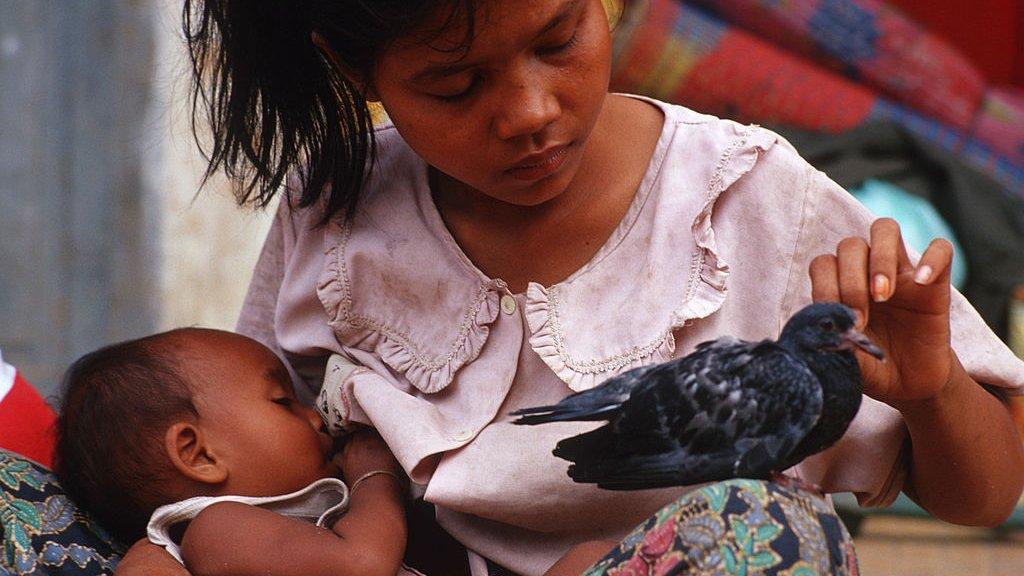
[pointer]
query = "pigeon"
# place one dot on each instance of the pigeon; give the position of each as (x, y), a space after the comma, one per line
(730, 409)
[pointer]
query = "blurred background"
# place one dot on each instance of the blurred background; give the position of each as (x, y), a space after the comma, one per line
(104, 233)
(916, 106)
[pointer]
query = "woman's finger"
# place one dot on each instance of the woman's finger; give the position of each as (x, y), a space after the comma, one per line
(824, 272)
(887, 251)
(935, 263)
(852, 258)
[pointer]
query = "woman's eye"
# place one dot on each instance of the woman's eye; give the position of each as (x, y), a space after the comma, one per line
(460, 95)
(563, 46)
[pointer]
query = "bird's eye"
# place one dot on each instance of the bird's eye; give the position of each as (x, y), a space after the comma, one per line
(827, 325)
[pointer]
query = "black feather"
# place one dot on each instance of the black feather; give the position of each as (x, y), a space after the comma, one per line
(729, 409)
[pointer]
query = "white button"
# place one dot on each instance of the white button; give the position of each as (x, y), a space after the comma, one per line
(508, 304)
(463, 435)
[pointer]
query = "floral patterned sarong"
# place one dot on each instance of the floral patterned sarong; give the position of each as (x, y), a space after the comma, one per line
(737, 527)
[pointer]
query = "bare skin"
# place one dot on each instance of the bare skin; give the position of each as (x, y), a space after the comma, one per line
(577, 222)
(532, 91)
(252, 437)
(581, 557)
(966, 456)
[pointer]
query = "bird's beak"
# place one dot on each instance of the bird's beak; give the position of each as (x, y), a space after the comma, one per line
(854, 339)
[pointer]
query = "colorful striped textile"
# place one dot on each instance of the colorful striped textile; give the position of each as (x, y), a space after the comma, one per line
(679, 52)
(872, 43)
(876, 45)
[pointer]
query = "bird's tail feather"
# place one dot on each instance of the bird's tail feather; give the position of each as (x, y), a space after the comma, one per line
(597, 441)
(648, 471)
(563, 413)
(627, 473)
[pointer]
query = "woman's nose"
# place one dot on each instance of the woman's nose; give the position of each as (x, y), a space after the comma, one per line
(525, 109)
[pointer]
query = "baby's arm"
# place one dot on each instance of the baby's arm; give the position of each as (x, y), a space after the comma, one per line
(233, 538)
(580, 557)
(147, 559)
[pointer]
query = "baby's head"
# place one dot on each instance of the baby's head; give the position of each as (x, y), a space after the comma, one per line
(191, 412)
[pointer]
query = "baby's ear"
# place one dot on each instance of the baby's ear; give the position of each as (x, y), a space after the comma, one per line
(191, 455)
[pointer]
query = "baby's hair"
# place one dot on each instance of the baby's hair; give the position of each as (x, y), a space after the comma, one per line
(275, 102)
(117, 403)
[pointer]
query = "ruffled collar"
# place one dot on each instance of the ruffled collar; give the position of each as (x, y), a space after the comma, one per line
(395, 282)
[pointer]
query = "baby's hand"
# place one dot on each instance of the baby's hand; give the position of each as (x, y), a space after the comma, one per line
(903, 308)
(365, 451)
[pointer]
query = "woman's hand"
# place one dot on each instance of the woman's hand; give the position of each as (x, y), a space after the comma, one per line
(903, 308)
(966, 455)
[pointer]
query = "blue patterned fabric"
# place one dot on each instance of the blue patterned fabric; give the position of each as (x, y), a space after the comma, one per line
(43, 532)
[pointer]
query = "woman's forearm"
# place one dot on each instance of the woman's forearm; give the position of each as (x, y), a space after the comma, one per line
(580, 557)
(967, 462)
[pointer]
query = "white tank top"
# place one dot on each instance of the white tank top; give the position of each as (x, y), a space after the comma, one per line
(322, 502)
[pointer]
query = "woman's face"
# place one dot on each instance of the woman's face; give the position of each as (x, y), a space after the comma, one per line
(510, 116)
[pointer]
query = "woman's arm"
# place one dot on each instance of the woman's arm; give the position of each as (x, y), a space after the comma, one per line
(967, 460)
(966, 455)
(147, 559)
(580, 557)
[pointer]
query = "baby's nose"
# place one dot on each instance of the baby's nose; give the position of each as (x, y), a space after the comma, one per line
(314, 419)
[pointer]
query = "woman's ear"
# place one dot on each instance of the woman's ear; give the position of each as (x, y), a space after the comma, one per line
(192, 456)
(357, 79)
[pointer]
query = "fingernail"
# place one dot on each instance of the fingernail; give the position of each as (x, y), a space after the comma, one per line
(881, 288)
(923, 275)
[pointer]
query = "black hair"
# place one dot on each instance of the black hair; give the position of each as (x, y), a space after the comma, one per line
(275, 102)
(117, 403)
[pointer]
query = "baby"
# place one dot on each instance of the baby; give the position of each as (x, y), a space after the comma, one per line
(195, 412)
(157, 431)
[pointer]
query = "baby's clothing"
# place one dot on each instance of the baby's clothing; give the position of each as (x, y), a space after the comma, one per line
(717, 241)
(320, 503)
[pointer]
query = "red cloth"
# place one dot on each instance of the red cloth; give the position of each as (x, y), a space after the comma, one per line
(989, 32)
(27, 423)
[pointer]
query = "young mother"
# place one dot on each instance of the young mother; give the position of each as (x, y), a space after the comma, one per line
(516, 233)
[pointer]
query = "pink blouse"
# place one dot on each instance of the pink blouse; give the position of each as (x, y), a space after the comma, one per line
(717, 241)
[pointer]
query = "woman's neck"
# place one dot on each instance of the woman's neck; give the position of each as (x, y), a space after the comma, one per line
(547, 242)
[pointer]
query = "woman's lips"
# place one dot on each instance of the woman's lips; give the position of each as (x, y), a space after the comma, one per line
(541, 165)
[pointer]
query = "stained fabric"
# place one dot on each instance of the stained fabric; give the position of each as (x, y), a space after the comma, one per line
(987, 219)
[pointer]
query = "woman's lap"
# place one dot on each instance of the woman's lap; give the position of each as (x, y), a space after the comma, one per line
(737, 527)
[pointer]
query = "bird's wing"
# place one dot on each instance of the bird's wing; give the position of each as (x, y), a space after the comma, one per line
(790, 399)
(731, 408)
(599, 403)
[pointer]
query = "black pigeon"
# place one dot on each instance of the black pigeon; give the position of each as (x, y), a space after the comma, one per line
(730, 409)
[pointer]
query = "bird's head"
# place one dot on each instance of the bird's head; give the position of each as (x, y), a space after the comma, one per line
(826, 327)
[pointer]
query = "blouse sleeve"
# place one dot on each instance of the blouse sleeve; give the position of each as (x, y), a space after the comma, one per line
(871, 459)
(281, 309)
